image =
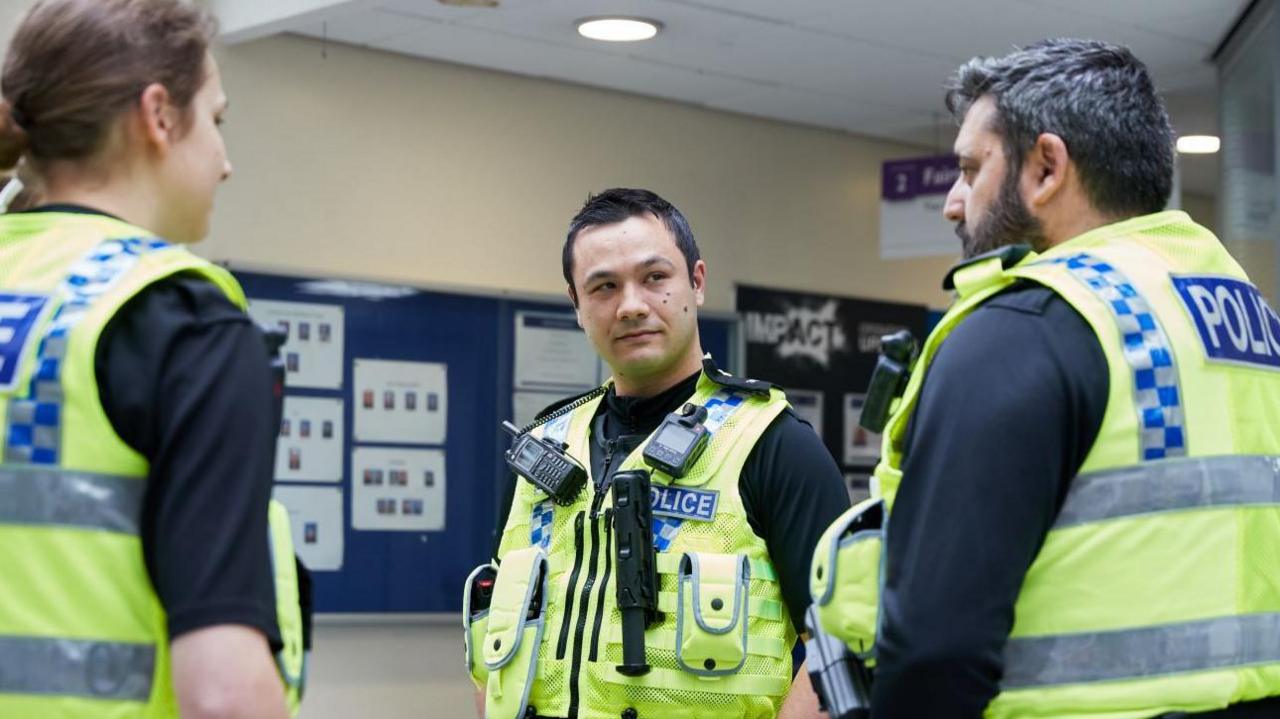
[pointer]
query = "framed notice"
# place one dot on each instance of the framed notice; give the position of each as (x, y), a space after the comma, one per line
(397, 489)
(314, 337)
(400, 402)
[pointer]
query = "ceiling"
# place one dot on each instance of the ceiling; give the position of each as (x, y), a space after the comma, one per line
(868, 67)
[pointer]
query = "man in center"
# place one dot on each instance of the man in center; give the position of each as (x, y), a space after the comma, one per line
(732, 535)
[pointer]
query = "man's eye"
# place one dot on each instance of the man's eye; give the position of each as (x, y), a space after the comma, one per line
(657, 277)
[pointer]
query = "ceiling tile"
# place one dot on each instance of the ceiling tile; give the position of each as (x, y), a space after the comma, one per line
(1206, 27)
(434, 10)
(366, 27)
(779, 12)
(532, 57)
(803, 106)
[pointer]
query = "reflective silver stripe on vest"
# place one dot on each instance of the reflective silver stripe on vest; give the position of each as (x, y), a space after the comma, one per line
(38, 495)
(75, 667)
(1172, 484)
(1138, 653)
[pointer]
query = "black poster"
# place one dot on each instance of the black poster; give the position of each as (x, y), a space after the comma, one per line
(822, 350)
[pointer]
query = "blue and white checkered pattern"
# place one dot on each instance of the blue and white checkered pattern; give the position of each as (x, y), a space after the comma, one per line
(1157, 397)
(558, 428)
(665, 530)
(544, 514)
(19, 313)
(34, 422)
(720, 408)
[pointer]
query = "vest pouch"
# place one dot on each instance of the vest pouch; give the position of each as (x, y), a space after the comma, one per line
(475, 622)
(515, 624)
(712, 614)
(844, 579)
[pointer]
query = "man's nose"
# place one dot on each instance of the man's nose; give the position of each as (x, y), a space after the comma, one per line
(953, 209)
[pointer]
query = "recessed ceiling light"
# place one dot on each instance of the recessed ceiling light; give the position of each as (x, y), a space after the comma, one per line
(1198, 144)
(618, 29)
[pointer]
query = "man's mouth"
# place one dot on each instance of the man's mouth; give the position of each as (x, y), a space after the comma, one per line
(637, 334)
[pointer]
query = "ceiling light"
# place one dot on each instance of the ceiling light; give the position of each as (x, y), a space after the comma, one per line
(1198, 144)
(618, 29)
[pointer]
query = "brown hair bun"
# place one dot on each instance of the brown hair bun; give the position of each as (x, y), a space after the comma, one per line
(13, 139)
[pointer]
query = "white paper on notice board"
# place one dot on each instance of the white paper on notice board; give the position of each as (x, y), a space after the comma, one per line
(808, 404)
(397, 489)
(401, 402)
(314, 333)
(861, 446)
(526, 405)
(309, 447)
(315, 518)
(553, 354)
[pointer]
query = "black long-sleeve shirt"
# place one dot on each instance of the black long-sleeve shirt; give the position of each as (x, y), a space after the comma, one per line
(1007, 413)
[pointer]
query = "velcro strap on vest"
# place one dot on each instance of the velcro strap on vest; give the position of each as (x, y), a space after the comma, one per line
(763, 646)
(668, 680)
(758, 607)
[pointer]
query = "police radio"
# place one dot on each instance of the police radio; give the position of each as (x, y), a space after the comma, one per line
(546, 465)
(679, 441)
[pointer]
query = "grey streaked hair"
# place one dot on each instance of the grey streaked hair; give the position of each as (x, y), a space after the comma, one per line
(1099, 98)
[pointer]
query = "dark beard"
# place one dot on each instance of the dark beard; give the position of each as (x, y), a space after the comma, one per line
(1008, 222)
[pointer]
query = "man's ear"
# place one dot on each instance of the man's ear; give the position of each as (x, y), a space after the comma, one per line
(573, 298)
(158, 118)
(1045, 169)
(699, 281)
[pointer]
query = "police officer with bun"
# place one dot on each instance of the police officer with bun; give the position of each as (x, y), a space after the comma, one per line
(146, 572)
(1080, 480)
(653, 564)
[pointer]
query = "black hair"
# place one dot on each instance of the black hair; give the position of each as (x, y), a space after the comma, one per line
(622, 203)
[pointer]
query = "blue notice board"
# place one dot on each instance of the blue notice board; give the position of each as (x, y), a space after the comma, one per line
(473, 335)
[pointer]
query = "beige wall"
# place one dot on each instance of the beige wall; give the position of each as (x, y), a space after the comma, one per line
(375, 165)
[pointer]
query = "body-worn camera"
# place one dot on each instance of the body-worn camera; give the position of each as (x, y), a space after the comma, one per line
(679, 441)
(546, 464)
(893, 367)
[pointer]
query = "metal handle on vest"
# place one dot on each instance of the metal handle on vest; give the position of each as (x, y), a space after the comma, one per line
(841, 680)
(897, 353)
(637, 583)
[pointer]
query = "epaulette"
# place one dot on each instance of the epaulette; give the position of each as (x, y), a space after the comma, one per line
(1009, 255)
(741, 384)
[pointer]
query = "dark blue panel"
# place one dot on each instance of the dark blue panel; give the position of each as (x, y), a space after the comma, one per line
(474, 336)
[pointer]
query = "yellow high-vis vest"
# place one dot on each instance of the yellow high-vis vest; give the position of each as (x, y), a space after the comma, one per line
(1155, 590)
(82, 632)
(723, 645)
